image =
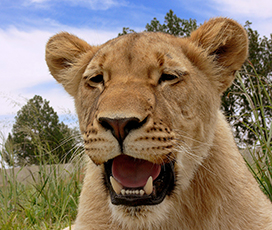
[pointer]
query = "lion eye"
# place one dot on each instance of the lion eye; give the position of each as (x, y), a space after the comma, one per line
(97, 79)
(94, 82)
(167, 77)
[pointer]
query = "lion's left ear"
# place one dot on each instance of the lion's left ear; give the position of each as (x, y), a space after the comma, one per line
(227, 41)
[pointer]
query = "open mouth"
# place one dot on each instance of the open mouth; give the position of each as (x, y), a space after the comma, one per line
(135, 182)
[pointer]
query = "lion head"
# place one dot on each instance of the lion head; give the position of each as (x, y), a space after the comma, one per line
(148, 106)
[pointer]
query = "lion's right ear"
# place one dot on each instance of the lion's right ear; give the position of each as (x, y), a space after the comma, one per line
(67, 56)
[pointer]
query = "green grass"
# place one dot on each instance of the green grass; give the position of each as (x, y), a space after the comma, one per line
(50, 200)
(259, 97)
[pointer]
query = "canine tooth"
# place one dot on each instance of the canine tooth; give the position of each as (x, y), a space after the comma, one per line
(117, 187)
(148, 188)
(141, 192)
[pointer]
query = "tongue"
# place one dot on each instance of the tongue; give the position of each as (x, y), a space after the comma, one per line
(133, 173)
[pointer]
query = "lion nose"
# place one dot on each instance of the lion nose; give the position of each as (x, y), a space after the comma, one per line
(120, 127)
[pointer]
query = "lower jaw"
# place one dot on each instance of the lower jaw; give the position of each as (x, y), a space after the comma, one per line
(144, 217)
(163, 186)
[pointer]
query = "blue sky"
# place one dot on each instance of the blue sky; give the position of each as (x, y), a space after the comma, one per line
(26, 25)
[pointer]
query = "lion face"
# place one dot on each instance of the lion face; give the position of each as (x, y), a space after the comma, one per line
(131, 127)
(147, 105)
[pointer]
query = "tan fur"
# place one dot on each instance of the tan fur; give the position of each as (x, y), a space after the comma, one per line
(182, 121)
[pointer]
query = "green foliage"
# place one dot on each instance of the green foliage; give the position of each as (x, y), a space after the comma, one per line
(126, 30)
(49, 202)
(260, 153)
(260, 51)
(172, 25)
(38, 137)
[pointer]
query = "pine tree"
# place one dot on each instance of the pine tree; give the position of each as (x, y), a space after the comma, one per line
(38, 136)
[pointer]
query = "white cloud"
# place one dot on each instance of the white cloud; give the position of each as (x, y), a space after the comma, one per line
(245, 8)
(22, 58)
(93, 4)
(38, 1)
(257, 12)
(100, 5)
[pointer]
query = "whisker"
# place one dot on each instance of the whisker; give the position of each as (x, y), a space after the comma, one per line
(188, 151)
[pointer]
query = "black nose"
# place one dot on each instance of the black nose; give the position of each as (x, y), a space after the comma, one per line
(120, 127)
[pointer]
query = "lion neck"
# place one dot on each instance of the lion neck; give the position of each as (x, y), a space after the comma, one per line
(219, 193)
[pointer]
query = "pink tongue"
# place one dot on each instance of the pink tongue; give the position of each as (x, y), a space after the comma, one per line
(133, 173)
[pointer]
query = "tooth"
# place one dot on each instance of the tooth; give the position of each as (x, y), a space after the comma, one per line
(123, 192)
(148, 188)
(117, 187)
(141, 192)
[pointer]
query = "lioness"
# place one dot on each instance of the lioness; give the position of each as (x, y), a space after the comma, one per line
(162, 155)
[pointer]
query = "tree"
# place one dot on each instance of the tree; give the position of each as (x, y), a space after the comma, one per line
(172, 25)
(235, 104)
(38, 136)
